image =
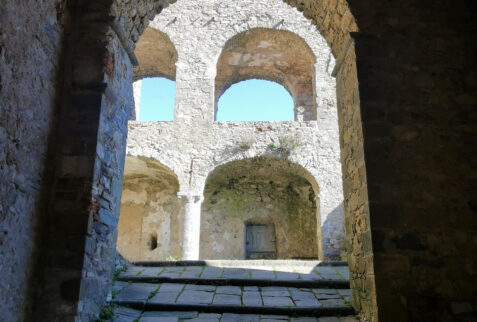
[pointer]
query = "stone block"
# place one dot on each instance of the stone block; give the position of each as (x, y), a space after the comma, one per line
(195, 297)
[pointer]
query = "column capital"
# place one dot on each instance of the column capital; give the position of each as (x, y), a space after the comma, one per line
(190, 197)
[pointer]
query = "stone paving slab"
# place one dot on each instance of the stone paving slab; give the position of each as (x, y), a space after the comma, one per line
(122, 314)
(140, 294)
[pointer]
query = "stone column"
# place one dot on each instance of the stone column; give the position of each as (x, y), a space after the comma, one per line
(137, 98)
(191, 226)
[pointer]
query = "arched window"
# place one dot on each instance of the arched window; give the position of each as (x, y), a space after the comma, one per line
(154, 86)
(274, 55)
(255, 100)
(157, 99)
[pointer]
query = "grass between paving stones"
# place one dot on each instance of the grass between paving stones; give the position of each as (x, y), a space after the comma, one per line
(274, 271)
(153, 293)
(222, 273)
(180, 293)
(318, 273)
(107, 313)
(202, 271)
(337, 272)
(183, 271)
(118, 272)
(161, 271)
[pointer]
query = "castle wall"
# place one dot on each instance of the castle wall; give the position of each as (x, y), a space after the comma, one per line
(193, 158)
(30, 50)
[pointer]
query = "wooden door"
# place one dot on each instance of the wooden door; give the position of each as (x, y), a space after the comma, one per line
(260, 242)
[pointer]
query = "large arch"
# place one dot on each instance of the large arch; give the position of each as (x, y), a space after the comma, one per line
(335, 21)
(150, 219)
(276, 55)
(260, 191)
(156, 57)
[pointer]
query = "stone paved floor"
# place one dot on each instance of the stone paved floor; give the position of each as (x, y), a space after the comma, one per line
(251, 296)
(130, 315)
(198, 293)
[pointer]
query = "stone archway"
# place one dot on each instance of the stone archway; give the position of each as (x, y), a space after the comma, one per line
(157, 57)
(260, 191)
(276, 55)
(150, 220)
(105, 48)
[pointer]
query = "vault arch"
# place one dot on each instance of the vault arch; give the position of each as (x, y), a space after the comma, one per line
(269, 54)
(265, 191)
(150, 219)
(94, 44)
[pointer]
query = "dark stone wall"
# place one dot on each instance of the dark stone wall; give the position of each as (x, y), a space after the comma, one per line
(30, 46)
(78, 256)
(417, 83)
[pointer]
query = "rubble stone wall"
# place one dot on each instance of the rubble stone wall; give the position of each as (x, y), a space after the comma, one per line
(193, 158)
(30, 51)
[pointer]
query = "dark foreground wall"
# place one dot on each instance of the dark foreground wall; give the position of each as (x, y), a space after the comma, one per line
(30, 39)
(418, 89)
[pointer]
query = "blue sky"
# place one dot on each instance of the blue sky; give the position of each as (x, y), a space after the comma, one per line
(251, 100)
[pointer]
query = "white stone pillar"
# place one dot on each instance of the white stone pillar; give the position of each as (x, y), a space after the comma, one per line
(191, 226)
(137, 97)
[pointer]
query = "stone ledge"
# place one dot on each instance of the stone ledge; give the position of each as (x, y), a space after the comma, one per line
(240, 263)
(337, 284)
(316, 312)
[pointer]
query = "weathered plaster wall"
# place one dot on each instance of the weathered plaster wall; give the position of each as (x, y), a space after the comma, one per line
(258, 191)
(30, 46)
(150, 208)
(193, 157)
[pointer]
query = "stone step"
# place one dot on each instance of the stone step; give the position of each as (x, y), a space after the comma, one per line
(123, 314)
(243, 263)
(259, 275)
(288, 301)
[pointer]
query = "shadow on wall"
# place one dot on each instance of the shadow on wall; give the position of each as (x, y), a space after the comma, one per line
(333, 234)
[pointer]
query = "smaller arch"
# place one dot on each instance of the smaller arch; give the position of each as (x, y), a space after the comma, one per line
(150, 219)
(264, 101)
(157, 58)
(265, 192)
(156, 54)
(275, 55)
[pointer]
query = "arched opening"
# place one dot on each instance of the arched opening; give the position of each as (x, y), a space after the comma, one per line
(276, 55)
(255, 100)
(348, 95)
(260, 208)
(154, 77)
(150, 217)
(156, 100)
